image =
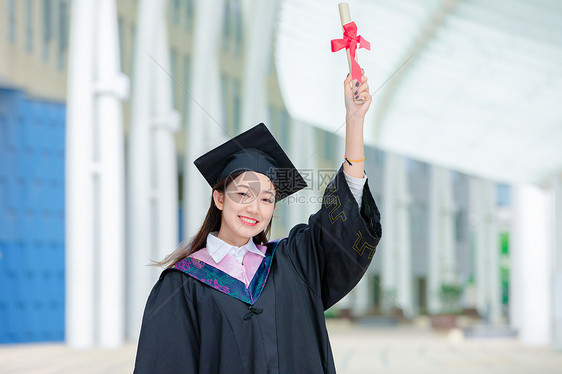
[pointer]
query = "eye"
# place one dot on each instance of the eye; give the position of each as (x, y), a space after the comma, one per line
(270, 201)
(242, 194)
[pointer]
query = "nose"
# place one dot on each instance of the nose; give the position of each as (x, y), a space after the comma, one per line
(253, 206)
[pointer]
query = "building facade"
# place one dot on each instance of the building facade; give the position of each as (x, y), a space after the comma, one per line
(34, 43)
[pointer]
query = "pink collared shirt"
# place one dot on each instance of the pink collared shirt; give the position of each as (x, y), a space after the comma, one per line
(238, 262)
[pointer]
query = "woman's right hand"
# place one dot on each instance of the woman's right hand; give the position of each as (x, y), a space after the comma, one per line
(357, 98)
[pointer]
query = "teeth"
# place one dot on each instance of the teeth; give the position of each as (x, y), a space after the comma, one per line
(248, 220)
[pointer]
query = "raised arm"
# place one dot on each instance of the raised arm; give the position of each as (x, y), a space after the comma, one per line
(354, 121)
(332, 252)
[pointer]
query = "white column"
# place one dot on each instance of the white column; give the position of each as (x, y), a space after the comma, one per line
(389, 245)
(165, 122)
(481, 273)
(396, 272)
(109, 181)
(362, 300)
(204, 127)
(404, 279)
(516, 266)
(434, 275)
(477, 221)
(448, 247)
(139, 231)
(79, 187)
(152, 190)
(95, 179)
(492, 248)
(486, 249)
(531, 273)
(441, 237)
(557, 287)
(260, 22)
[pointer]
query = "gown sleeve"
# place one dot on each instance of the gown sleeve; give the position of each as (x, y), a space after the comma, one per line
(332, 252)
(356, 187)
(169, 337)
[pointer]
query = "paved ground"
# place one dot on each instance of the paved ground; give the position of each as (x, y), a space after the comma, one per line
(357, 350)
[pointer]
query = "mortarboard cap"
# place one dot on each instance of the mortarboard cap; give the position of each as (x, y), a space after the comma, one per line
(257, 150)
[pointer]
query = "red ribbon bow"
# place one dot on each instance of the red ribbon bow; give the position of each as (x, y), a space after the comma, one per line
(351, 41)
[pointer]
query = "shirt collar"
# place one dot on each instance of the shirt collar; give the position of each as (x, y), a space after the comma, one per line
(218, 248)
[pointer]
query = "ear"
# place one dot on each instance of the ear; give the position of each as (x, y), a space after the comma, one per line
(218, 198)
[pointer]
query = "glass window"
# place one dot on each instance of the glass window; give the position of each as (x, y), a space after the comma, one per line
(189, 10)
(271, 61)
(381, 157)
(411, 165)
(327, 138)
(121, 30)
(236, 103)
(460, 224)
(174, 73)
(47, 21)
(271, 114)
(186, 84)
(418, 221)
(283, 127)
(226, 25)
(236, 13)
(132, 53)
(63, 34)
(12, 20)
(175, 11)
(224, 96)
(503, 195)
(29, 25)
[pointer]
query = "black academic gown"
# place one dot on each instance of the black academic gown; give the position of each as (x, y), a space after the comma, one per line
(200, 320)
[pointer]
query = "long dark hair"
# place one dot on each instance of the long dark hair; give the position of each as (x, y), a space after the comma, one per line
(211, 223)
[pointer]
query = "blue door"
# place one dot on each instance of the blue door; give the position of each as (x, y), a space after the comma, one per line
(31, 219)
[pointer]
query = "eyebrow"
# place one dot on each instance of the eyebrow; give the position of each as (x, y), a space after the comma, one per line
(245, 185)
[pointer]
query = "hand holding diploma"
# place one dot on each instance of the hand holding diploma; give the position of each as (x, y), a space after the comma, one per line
(357, 98)
(351, 42)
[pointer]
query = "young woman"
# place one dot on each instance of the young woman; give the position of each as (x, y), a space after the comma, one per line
(232, 301)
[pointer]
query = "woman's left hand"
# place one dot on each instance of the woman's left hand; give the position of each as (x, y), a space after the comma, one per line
(356, 109)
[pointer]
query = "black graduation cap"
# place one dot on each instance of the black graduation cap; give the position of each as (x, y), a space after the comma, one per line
(257, 150)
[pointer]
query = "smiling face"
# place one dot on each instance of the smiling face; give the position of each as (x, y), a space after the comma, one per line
(247, 206)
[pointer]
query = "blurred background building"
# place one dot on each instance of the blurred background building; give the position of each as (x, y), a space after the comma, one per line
(463, 152)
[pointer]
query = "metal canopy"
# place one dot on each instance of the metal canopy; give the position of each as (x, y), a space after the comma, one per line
(471, 85)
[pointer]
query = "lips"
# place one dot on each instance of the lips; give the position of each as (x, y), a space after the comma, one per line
(248, 221)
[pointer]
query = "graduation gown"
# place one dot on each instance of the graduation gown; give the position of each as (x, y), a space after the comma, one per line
(198, 319)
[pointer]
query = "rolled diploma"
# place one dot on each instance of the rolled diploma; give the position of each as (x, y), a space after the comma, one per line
(345, 18)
